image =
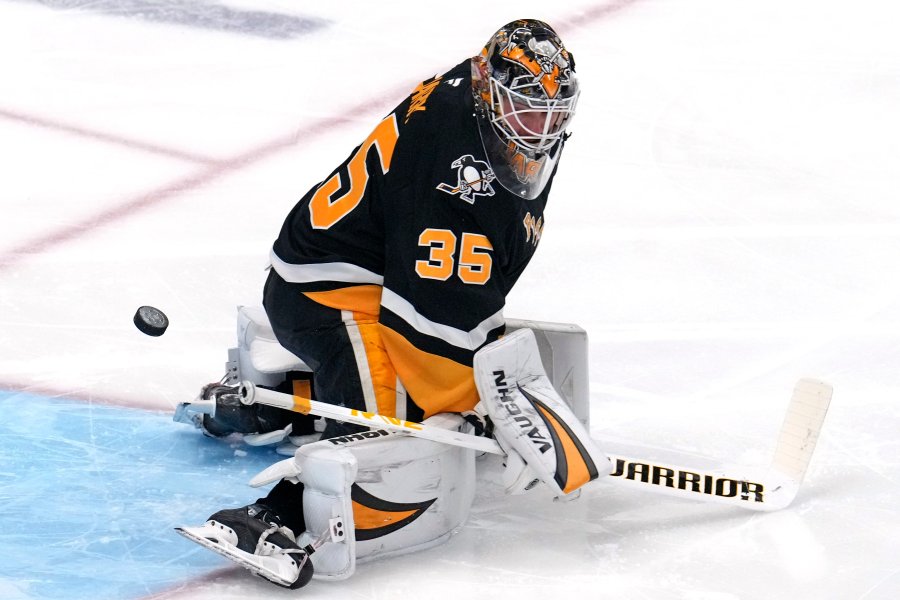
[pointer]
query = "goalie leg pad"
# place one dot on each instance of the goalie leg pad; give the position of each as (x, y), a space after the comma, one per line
(531, 419)
(327, 474)
(395, 494)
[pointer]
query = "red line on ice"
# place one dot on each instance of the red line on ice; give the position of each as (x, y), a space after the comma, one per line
(103, 137)
(215, 169)
(129, 207)
(80, 395)
(588, 16)
(190, 586)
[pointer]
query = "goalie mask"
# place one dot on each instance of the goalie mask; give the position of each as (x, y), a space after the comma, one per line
(525, 94)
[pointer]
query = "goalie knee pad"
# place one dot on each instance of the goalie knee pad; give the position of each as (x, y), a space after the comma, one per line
(531, 421)
(393, 494)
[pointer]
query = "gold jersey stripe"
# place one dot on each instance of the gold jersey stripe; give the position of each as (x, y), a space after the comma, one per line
(356, 298)
(437, 384)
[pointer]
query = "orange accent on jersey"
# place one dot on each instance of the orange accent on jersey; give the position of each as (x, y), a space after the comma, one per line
(578, 473)
(324, 210)
(381, 371)
(549, 81)
(357, 298)
(384, 377)
(437, 384)
(366, 517)
(364, 302)
(420, 96)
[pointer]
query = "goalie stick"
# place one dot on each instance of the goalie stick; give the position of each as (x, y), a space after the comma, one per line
(747, 487)
(251, 394)
(753, 488)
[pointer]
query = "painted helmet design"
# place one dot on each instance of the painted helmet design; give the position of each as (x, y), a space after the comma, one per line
(525, 95)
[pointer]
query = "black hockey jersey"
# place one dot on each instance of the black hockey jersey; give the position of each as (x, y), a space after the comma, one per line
(412, 227)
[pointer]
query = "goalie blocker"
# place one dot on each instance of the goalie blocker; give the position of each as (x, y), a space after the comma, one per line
(543, 439)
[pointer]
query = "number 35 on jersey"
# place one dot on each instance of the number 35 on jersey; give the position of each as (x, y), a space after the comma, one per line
(472, 264)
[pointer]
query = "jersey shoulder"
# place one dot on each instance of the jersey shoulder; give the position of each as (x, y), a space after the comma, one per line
(436, 100)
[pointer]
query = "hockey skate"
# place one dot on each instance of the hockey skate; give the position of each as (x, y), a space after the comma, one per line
(258, 357)
(254, 538)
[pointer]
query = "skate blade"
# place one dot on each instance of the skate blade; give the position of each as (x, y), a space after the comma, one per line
(264, 566)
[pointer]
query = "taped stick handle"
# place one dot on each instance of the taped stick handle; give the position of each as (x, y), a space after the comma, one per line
(251, 394)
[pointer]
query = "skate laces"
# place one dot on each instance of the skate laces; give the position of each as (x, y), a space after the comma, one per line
(273, 529)
(266, 515)
(261, 550)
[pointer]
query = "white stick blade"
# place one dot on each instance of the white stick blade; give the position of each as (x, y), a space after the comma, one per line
(801, 428)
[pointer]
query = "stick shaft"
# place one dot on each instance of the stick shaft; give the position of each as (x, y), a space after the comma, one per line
(251, 394)
(772, 490)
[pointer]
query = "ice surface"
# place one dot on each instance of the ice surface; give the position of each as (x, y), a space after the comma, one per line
(89, 491)
(725, 221)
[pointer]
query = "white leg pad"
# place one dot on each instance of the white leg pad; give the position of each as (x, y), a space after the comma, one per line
(531, 419)
(327, 474)
(402, 494)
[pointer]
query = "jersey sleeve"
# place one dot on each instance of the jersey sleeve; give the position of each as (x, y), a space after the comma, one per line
(331, 237)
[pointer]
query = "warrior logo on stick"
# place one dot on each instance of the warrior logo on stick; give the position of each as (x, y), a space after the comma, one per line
(473, 178)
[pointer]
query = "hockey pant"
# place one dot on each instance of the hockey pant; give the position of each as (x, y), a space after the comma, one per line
(543, 439)
(342, 347)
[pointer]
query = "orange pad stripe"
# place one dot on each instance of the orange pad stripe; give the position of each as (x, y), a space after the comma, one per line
(366, 517)
(577, 468)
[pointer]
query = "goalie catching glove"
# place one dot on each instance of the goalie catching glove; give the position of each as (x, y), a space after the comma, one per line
(543, 439)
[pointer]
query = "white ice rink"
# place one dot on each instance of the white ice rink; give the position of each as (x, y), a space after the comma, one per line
(725, 221)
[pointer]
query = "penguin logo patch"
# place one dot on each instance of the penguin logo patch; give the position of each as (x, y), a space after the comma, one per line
(473, 178)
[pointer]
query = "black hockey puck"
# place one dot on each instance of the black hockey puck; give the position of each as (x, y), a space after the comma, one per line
(151, 321)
